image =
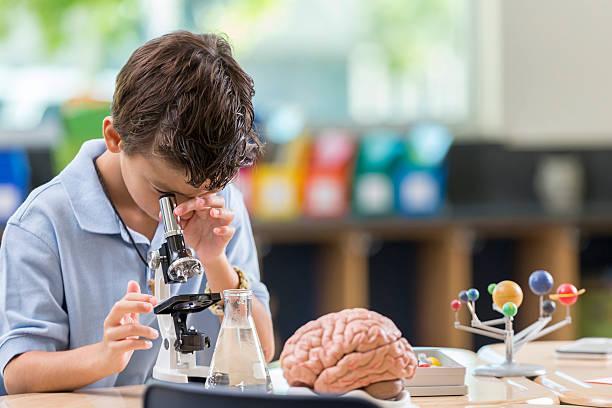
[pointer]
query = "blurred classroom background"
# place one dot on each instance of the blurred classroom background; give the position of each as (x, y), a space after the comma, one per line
(415, 148)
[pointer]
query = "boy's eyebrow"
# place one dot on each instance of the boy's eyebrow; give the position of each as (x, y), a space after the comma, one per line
(163, 189)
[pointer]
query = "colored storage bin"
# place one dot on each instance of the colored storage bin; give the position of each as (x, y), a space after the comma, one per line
(14, 181)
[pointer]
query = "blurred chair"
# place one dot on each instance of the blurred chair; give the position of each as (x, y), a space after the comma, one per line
(420, 176)
(378, 153)
(164, 396)
(277, 184)
(328, 178)
(82, 121)
(14, 181)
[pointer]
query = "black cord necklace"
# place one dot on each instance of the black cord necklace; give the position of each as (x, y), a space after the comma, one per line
(142, 258)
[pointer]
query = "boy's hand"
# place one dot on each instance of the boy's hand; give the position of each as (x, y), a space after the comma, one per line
(206, 225)
(122, 330)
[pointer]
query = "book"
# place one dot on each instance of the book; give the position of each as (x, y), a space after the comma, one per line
(588, 348)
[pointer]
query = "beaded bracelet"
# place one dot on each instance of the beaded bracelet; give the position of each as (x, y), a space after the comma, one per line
(243, 283)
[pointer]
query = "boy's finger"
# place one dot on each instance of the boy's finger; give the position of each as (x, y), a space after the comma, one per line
(124, 307)
(186, 207)
(225, 231)
(141, 297)
(186, 216)
(199, 203)
(133, 287)
(222, 214)
(204, 203)
(131, 345)
(131, 330)
(215, 201)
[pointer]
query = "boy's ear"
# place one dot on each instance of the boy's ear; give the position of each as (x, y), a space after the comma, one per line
(111, 136)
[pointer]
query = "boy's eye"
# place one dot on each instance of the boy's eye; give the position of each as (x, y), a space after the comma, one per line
(160, 191)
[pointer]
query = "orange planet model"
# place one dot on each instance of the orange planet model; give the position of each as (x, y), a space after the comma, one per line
(507, 291)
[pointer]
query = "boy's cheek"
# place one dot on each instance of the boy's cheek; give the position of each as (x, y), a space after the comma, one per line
(151, 207)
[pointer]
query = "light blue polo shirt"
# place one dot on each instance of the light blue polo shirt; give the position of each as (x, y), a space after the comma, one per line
(65, 259)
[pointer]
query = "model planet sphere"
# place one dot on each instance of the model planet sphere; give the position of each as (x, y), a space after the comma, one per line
(473, 294)
(549, 307)
(569, 294)
(541, 282)
(509, 309)
(507, 291)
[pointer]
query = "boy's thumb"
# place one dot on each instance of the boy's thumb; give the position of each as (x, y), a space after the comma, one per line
(133, 287)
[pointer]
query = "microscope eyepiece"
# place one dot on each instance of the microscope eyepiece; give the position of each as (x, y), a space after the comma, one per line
(167, 204)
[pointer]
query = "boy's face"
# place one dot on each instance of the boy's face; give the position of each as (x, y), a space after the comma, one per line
(148, 177)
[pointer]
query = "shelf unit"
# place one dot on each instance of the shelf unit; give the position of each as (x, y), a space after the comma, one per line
(444, 261)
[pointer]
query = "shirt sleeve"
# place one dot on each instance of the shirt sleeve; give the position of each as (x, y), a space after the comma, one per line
(31, 296)
(241, 250)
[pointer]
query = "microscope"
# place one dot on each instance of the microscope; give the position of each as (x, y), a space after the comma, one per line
(174, 264)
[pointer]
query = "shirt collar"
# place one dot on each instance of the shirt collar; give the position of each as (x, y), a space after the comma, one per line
(89, 203)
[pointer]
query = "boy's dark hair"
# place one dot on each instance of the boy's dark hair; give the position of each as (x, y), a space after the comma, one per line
(184, 98)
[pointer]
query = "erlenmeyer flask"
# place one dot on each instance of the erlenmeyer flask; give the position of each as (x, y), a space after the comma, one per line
(238, 362)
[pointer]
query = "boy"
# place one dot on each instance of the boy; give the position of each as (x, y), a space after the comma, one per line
(76, 309)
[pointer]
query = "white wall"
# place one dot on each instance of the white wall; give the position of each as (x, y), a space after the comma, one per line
(553, 59)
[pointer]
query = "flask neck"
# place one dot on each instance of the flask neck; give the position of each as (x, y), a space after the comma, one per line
(237, 309)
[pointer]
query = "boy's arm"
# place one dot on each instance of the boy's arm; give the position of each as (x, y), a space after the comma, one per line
(242, 252)
(219, 229)
(34, 326)
(40, 371)
(221, 275)
(31, 295)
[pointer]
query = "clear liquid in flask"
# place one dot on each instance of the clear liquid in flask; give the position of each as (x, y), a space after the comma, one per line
(238, 362)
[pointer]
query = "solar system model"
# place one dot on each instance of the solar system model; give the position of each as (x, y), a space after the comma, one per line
(507, 299)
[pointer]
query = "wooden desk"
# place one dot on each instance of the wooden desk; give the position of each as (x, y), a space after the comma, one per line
(120, 397)
(482, 391)
(490, 391)
(566, 378)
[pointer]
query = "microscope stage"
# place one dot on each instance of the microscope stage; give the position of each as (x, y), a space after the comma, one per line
(187, 303)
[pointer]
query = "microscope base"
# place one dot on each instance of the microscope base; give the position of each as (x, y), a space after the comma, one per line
(178, 375)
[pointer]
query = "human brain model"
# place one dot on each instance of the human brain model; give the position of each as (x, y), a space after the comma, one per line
(347, 350)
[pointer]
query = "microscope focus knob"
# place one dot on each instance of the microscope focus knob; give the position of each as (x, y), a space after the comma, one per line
(153, 259)
(192, 341)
